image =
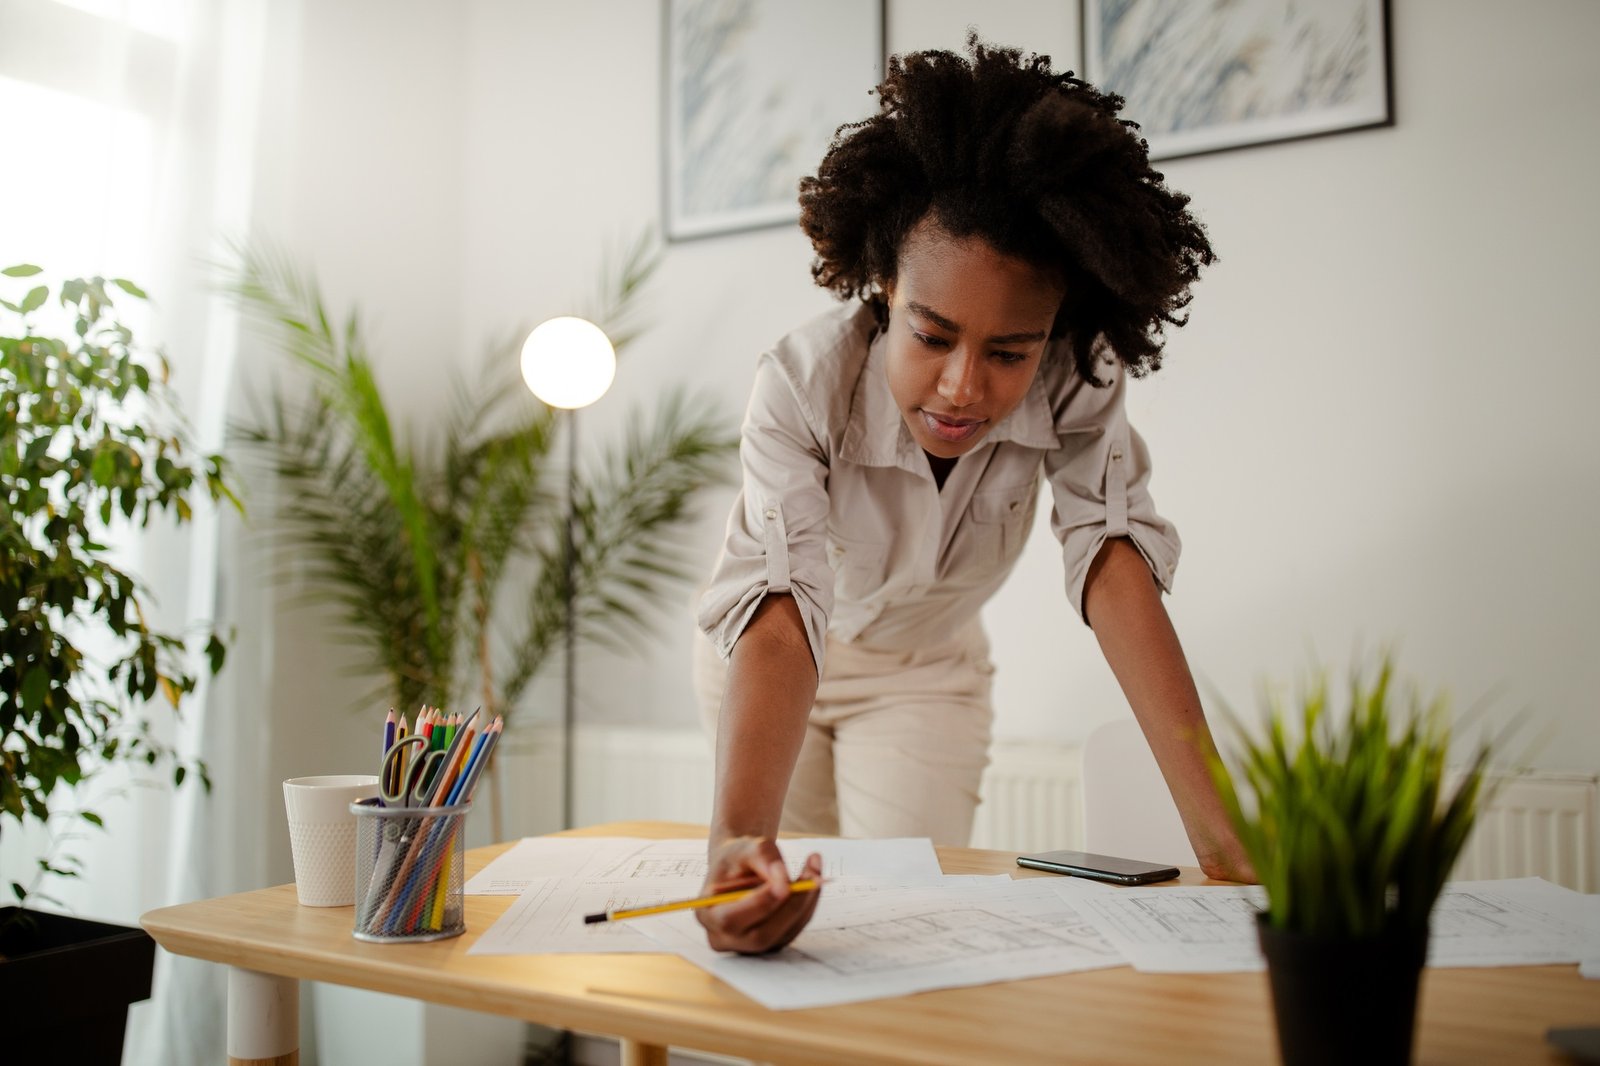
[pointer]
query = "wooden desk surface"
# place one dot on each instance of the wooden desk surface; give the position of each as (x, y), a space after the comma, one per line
(1105, 1016)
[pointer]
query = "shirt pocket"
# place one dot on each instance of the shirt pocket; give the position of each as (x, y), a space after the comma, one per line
(998, 523)
(858, 567)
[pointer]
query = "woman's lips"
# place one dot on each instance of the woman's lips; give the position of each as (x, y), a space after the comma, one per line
(951, 429)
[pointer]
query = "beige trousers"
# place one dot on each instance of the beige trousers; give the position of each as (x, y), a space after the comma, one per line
(896, 743)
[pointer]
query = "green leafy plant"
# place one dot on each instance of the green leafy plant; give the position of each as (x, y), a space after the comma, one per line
(442, 548)
(80, 456)
(1348, 820)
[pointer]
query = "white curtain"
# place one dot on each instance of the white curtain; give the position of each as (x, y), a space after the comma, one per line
(130, 143)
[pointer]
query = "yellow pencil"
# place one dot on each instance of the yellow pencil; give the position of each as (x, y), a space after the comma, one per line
(808, 884)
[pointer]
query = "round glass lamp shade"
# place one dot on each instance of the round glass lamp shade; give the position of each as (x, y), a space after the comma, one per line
(568, 362)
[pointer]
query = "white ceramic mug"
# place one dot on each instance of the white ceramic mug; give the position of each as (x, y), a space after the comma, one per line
(322, 835)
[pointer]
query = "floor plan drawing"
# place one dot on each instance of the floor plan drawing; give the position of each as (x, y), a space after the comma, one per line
(1212, 929)
(936, 936)
(1188, 920)
(547, 918)
(1521, 922)
(1177, 929)
(882, 943)
(646, 867)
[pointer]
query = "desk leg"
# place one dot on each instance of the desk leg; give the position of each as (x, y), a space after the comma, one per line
(263, 1019)
(637, 1054)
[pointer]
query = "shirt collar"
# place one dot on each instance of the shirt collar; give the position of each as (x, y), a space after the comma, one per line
(877, 434)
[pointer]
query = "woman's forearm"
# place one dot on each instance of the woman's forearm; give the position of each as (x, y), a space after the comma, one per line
(1123, 606)
(772, 683)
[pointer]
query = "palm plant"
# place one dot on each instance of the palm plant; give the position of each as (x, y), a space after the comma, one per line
(444, 559)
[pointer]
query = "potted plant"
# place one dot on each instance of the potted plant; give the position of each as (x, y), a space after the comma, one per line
(80, 458)
(1348, 817)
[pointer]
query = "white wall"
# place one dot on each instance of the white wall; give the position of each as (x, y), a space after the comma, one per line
(1375, 427)
(1372, 430)
(360, 177)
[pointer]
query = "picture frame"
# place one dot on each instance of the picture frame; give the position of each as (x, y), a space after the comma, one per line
(752, 92)
(1202, 78)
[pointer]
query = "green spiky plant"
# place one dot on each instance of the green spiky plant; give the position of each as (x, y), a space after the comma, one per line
(442, 548)
(90, 447)
(1346, 815)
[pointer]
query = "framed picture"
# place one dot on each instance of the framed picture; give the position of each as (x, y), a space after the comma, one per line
(754, 90)
(1207, 77)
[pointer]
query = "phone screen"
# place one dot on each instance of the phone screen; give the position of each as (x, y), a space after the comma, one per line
(1100, 867)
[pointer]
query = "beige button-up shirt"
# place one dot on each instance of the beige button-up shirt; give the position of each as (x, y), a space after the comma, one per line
(839, 507)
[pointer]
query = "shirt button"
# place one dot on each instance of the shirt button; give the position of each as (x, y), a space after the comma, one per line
(771, 514)
(1116, 455)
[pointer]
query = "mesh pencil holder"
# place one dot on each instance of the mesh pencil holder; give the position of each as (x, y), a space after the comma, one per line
(409, 872)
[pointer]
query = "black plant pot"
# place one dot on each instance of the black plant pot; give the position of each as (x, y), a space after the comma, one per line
(1342, 1000)
(67, 983)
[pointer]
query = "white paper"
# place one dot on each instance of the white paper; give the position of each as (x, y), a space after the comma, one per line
(534, 859)
(627, 872)
(1178, 929)
(854, 886)
(1520, 922)
(617, 859)
(548, 918)
(868, 945)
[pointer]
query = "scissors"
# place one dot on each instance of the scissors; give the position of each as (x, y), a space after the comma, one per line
(402, 779)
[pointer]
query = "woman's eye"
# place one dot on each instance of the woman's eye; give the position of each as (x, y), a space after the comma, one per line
(1010, 357)
(928, 339)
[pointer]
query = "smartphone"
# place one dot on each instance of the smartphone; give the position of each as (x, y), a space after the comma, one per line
(1099, 867)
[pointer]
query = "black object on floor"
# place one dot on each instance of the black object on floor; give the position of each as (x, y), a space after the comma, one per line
(1582, 1043)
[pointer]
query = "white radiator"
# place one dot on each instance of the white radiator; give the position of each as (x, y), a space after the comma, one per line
(1537, 823)
(1032, 798)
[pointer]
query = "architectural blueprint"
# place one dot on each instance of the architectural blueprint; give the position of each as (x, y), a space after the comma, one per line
(623, 872)
(1522, 922)
(1176, 929)
(914, 939)
(548, 917)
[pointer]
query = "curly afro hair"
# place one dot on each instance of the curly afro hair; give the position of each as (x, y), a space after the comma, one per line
(1035, 163)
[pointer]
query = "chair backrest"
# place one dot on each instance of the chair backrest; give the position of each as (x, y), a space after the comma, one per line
(1127, 810)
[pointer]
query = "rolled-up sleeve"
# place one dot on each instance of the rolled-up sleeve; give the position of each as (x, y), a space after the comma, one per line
(777, 530)
(1099, 479)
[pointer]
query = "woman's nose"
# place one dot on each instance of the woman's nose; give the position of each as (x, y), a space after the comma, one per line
(959, 383)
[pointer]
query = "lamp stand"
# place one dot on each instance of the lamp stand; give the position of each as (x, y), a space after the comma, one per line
(569, 586)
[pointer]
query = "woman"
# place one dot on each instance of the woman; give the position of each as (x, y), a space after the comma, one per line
(1007, 258)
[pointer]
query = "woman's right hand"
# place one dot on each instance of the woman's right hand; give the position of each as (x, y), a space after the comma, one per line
(765, 920)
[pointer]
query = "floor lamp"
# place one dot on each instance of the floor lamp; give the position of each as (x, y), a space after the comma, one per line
(569, 363)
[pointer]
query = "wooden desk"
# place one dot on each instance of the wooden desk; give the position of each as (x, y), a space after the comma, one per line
(655, 1001)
